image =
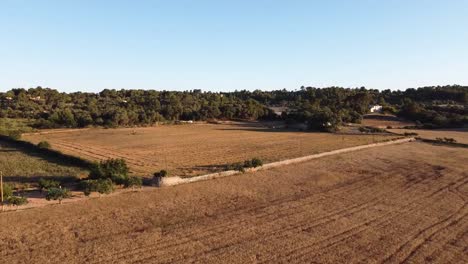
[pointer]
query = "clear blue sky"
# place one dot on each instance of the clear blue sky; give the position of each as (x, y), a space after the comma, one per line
(225, 45)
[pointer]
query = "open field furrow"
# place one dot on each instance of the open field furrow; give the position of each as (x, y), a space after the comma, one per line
(445, 236)
(105, 154)
(296, 254)
(303, 224)
(285, 208)
(349, 208)
(199, 149)
(409, 249)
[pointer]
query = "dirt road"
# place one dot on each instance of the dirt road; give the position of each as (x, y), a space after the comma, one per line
(395, 204)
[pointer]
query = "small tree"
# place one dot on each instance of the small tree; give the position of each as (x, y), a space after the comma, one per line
(57, 194)
(45, 184)
(44, 145)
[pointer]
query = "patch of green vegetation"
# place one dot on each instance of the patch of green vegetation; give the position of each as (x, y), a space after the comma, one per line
(19, 165)
(9, 126)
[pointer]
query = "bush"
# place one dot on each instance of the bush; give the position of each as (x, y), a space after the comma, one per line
(102, 186)
(407, 134)
(447, 140)
(114, 169)
(44, 145)
(15, 134)
(7, 190)
(236, 166)
(133, 182)
(256, 162)
(45, 184)
(161, 173)
(17, 200)
(57, 194)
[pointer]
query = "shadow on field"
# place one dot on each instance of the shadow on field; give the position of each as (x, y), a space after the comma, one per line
(49, 155)
(35, 179)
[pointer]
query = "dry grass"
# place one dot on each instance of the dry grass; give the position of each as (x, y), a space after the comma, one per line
(400, 203)
(383, 121)
(187, 150)
(460, 135)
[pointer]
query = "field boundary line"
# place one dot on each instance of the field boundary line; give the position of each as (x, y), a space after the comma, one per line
(176, 180)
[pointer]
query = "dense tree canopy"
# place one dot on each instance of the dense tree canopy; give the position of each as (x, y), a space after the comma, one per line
(321, 108)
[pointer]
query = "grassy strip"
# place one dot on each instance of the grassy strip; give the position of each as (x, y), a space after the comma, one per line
(51, 154)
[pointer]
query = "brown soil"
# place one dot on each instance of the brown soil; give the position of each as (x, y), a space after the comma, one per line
(393, 204)
(188, 150)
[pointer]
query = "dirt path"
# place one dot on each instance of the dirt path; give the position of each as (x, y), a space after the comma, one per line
(402, 203)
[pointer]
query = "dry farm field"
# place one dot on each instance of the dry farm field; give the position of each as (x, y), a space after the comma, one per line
(460, 135)
(188, 150)
(384, 121)
(403, 203)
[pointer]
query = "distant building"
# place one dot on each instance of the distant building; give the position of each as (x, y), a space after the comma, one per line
(375, 109)
(278, 110)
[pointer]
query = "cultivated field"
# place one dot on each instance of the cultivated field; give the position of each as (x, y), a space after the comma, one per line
(187, 150)
(395, 204)
(460, 135)
(383, 121)
(18, 165)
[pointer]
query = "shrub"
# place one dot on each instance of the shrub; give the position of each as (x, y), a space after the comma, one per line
(161, 173)
(102, 186)
(45, 184)
(406, 134)
(44, 145)
(17, 200)
(256, 162)
(7, 190)
(450, 140)
(236, 166)
(134, 182)
(57, 194)
(15, 134)
(114, 169)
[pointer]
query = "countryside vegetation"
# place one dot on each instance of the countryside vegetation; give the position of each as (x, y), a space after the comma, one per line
(408, 199)
(321, 109)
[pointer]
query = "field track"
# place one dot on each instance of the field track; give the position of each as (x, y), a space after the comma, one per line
(402, 203)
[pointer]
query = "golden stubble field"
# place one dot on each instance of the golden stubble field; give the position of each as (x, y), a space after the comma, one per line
(395, 204)
(188, 150)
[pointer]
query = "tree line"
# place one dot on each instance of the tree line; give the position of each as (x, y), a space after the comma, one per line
(320, 108)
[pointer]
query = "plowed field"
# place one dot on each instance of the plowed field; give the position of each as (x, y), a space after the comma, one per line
(188, 150)
(395, 204)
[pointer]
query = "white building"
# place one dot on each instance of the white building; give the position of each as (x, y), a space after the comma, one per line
(375, 109)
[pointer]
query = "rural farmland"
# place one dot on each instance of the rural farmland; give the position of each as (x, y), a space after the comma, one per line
(188, 150)
(403, 203)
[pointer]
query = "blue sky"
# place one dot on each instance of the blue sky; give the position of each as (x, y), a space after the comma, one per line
(225, 45)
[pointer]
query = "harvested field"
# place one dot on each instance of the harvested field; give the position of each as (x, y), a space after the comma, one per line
(395, 204)
(188, 150)
(383, 121)
(460, 135)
